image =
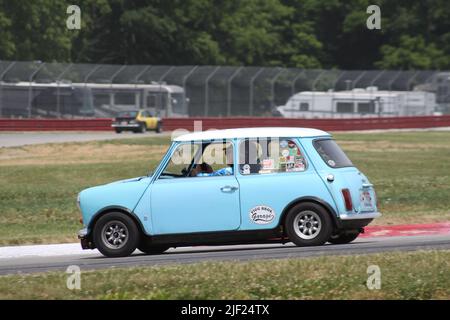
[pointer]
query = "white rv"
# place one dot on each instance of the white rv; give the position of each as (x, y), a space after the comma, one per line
(358, 103)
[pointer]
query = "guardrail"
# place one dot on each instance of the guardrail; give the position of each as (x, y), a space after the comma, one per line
(170, 124)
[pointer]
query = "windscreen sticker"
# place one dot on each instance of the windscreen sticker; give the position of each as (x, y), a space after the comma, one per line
(283, 143)
(262, 214)
(246, 169)
(268, 164)
(285, 153)
(331, 163)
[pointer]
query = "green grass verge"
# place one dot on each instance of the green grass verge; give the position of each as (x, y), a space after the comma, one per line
(418, 275)
(410, 171)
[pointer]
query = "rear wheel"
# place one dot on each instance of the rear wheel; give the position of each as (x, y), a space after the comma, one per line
(116, 235)
(343, 238)
(142, 128)
(308, 224)
(118, 131)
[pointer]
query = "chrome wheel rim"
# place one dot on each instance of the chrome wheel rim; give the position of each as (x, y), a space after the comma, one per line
(115, 234)
(307, 225)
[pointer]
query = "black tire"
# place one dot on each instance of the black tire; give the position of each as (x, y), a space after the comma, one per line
(142, 128)
(311, 213)
(108, 223)
(158, 127)
(146, 247)
(343, 238)
(118, 131)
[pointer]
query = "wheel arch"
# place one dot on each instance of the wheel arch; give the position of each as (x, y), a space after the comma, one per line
(328, 208)
(119, 209)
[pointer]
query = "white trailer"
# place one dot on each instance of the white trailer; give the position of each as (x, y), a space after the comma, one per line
(358, 103)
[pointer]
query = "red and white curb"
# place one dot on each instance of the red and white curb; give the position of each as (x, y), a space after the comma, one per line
(439, 228)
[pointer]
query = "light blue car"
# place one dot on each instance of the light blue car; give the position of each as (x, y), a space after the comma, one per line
(234, 186)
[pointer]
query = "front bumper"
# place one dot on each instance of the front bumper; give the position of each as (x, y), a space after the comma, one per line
(125, 126)
(358, 216)
(85, 239)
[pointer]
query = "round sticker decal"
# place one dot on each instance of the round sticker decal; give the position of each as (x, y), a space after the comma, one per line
(262, 214)
(331, 163)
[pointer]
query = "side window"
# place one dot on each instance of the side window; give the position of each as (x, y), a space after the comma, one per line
(270, 156)
(216, 160)
(180, 161)
(344, 107)
(304, 106)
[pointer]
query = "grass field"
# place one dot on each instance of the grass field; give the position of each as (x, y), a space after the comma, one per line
(39, 184)
(418, 275)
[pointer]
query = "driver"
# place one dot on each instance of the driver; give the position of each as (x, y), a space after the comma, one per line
(205, 170)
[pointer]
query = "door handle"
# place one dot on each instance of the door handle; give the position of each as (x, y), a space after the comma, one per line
(228, 188)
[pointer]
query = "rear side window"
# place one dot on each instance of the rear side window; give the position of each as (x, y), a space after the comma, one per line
(332, 154)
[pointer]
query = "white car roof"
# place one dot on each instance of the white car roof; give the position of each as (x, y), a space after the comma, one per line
(260, 132)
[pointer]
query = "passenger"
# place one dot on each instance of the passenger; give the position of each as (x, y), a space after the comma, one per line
(198, 171)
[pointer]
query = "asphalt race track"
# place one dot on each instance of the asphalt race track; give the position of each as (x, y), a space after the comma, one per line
(88, 260)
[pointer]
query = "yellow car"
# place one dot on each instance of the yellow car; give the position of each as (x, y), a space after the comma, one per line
(138, 121)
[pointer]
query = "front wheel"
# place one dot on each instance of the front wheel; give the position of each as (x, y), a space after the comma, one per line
(158, 127)
(343, 238)
(116, 235)
(308, 224)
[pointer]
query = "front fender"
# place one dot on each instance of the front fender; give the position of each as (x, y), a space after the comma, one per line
(124, 194)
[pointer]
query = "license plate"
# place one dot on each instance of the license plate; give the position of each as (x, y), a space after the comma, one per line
(124, 123)
(366, 200)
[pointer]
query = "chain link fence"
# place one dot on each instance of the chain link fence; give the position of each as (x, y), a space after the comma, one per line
(37, 89)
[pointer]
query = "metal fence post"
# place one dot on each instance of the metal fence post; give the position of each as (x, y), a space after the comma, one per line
(185, 78)
(294, 81)
(272, 87)
(230, 80)
(313, 87)
(252, 80)
(58, 81)
(358, 78)
(1, 84)
(30, 88)
(86, 78)
(165, 74)
(206, 111)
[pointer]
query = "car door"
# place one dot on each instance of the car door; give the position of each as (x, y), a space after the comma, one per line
(181, 204)
(272, 173)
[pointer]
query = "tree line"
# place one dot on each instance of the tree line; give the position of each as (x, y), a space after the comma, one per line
(414, 34)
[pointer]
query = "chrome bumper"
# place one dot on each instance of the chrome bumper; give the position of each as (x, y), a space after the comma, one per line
(85, 241)
(357, 216)
(82, 233)
(134, 125)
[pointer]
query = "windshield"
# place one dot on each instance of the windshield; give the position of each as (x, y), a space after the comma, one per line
(332, 154)
(127, 114)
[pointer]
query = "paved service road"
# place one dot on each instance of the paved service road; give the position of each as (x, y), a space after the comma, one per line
(18, 139)
(94, 260)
